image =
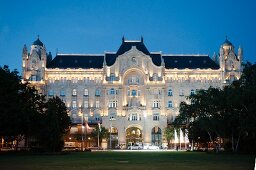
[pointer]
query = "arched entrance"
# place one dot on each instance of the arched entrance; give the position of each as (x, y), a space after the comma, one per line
(156, 136)
(113, 138)
(133, 135)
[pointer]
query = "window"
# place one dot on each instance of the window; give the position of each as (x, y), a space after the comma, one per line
(50, 93)
(170, 104)
(62, 93)
(74, 92)
(112, 91)
(33, 78)
(170, 92)
(97, 92)
(156, 116)
(128, 92)
(181, 92)
(86, 93)
(138, 92)
(156, 104)
(154, 77)
(112, 116)
(192, 92)
(73, 104)
(134, 117)
(112, 104)
(97, 104)
(134, 93)
(86, 104)
(97, 118)
(112, 77)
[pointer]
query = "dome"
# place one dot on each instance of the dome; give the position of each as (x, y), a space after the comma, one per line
(38, 42)
(227, 43)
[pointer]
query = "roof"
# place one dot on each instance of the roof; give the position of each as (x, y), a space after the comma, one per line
(77, 61)
(189, 61)
(227, 43)
(38, 42)
(126, 46)
(97, 60)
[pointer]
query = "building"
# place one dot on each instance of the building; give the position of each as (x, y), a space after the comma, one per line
(133, 92)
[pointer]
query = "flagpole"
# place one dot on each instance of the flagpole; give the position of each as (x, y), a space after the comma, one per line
(82, 131)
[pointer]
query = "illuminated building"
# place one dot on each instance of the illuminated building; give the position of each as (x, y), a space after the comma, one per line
(133, 91)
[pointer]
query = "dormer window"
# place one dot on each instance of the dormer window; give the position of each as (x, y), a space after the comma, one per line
(112, 77)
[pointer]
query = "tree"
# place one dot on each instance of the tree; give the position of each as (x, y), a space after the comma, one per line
(169, 134)
(55, 124)
(103, 133)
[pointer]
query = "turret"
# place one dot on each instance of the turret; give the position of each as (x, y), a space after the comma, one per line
(34, 63)
(230, 63)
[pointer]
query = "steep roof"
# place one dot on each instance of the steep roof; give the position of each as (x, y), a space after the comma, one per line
(77, 61)
(189, 61)
(96, 60)
(38, 42)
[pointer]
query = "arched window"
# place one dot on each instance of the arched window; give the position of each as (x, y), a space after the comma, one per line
(156, 136)
(170, 104)
(169, 92)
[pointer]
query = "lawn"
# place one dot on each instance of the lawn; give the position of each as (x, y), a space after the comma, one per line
(127, 160)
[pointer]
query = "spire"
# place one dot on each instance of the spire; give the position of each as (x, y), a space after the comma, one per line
(162, 61)
(123, 39)
(104, 62)
(141, 39)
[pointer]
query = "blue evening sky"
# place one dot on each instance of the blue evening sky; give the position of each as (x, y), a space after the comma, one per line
(93, 26)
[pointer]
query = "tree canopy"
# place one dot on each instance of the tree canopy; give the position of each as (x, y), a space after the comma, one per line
(228, 113)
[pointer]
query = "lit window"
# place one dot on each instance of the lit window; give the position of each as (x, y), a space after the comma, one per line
(156, 104)
(97, 104)
(86, 104)
(86, 93)
(73, 104)
(97, 92)
(156, 116)
(50, 93)
(170, 104)
(62, 93)
(112, 104)
(74, 92)
(170, 92)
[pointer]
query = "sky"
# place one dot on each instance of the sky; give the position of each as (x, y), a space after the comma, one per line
(94, 26)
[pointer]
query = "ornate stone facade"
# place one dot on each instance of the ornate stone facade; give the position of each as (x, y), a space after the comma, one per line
(133, 91)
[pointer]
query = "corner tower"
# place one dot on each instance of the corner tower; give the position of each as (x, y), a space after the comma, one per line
(230, 62)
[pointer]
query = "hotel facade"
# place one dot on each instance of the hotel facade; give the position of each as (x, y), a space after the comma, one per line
(133, 92)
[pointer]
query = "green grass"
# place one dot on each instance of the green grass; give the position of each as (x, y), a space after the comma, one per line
(127, 160)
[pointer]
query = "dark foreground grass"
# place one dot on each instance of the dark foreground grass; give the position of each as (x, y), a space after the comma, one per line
(127, 160)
